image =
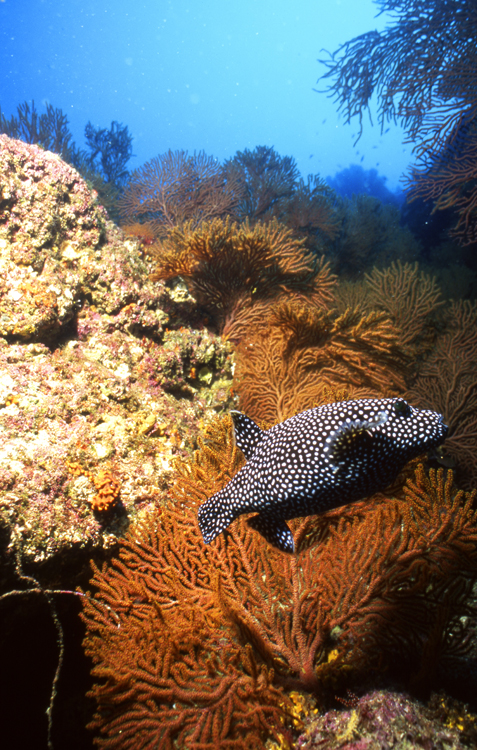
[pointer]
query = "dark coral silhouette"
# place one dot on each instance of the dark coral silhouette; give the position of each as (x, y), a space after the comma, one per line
(49, 129)
(447, 382)
(102, 163)
(268, 179)
(273, 189)
(369, 233)
(175, 187)
(423, 68)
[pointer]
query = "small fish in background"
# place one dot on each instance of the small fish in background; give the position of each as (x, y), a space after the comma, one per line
(319, 459)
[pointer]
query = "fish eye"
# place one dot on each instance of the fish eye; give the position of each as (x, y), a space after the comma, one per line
(402, 408)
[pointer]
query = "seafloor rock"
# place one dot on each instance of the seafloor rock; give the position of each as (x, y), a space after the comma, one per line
(102, 379)
(383, 719)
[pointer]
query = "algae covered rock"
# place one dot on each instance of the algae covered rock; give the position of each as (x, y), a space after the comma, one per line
(101, 373)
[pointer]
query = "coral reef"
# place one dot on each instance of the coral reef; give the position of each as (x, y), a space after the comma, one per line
(235, 271)
(107, 376)
(106, 174)
(50, 226)
(107, 396)
(384, 719)
(180, 633)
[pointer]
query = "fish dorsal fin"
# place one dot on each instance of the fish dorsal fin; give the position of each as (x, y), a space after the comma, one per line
(248, 435)
(341, 444)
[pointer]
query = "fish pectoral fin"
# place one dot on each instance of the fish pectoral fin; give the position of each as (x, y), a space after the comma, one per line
(276, 532)
(349, 436)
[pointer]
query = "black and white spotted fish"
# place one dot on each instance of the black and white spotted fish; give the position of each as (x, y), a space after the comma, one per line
(320, 459)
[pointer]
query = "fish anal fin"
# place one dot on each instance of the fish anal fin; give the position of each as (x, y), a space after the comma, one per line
(275, 531)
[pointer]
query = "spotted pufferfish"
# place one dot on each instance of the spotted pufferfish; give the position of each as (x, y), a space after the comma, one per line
(320, 459)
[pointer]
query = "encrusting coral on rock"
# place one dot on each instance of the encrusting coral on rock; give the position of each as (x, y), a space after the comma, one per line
(383, 719)
(98, 365)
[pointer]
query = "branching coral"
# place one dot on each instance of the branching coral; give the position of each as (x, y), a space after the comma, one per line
(312, 208)
(268, 182)
(424, 70)
(273, 189)
(282, 368)
(236, 270)
(197, 646)
(447, 382)
(49, 130)
(392, 62)
(448, 177)
(175, 188)
(409, 296)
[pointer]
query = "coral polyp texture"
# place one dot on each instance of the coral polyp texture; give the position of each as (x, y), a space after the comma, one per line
(98, 367)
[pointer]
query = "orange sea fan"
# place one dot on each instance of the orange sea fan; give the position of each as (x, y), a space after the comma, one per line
(232, 269)
(282, 368)
(408, 295)
(199, 646)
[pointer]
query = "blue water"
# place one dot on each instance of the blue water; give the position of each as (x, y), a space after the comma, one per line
(218, 76)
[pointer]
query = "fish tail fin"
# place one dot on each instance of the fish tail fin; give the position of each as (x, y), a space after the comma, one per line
(215, 515)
